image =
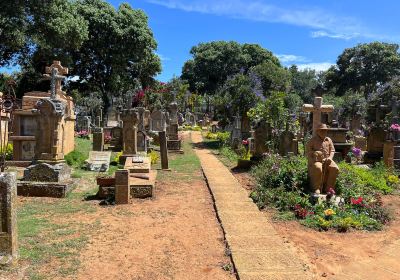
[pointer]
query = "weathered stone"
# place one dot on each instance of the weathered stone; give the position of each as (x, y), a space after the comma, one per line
(163, 150)
(98, 161)
(130, 120)
(98, 139)
(287, 144)
(9, 230)
(158, 120)
(44, 172)
(122, 187)
(44, 189)
(317, 109)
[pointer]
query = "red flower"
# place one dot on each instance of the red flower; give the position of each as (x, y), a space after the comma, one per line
(245, 142)
(357, 201)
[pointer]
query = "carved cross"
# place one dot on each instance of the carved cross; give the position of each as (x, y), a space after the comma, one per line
(55, 72)
(317, 109)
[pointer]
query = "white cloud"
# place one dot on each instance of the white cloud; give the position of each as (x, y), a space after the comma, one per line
(326, 24)
(317, 66)
(163, 58)
(288, 58)
(321, 33)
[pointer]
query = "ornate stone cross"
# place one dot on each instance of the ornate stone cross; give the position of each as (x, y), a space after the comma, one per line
(55, 73)
(317, 109)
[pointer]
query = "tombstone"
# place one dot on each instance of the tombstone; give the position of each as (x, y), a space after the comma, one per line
(43, 128)
(163, 150)
(98, 161)
(181, 119)
(116, 139)
(288, 144)
(214, 128)
(375, 142)
(262, 134)
(130, 118)
(236, 134)
(355, 124)
(395, 111)
(317, 109)
(9, 229)
(98, 139)
(158, 120)
(142, 142)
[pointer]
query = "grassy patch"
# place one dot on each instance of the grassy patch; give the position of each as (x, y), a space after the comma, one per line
(185, 167)
(50, 240)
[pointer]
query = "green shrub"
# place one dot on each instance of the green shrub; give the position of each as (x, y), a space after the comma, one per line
(75, 159)
(282, 183)
(8, 151)
(154, 157)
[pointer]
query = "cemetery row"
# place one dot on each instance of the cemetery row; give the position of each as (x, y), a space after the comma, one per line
(42, 131)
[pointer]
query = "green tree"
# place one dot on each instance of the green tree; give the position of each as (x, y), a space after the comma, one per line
(273, 76)
(364, 67)
(214, 62)
(303, 82)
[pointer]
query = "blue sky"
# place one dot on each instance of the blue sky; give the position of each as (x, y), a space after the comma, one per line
(309, 33)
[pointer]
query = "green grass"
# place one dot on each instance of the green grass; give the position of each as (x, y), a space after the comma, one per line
(44, 238)
(224, 153)
(185, 167)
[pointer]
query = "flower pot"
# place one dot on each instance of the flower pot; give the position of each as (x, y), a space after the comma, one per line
(244, 163)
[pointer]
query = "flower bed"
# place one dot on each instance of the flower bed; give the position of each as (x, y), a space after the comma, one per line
(282, 183)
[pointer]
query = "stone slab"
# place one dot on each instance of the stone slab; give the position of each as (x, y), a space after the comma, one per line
(138, 167)
(98, 161)
(143, 188)
(44, 172)
(43, 189)
(174, 145)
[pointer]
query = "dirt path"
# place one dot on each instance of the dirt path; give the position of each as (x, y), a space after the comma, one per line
(174, 236)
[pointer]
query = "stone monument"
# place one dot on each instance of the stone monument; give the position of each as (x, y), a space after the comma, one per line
(322, 170)
(8, 233)
(316, 110)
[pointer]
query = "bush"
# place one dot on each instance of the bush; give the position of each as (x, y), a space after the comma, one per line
(8, 151)
(154, 157)
(75, 159)
(282, 183)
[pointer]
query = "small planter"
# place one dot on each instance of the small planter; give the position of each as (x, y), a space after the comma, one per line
(244, 163)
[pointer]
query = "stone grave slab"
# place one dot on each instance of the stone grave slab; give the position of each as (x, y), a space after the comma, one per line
(98, 161)
(142, 185)
(44, 172)
(138, 164)
(43, 189)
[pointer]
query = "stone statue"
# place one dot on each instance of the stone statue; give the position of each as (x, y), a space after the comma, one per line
(322, 170)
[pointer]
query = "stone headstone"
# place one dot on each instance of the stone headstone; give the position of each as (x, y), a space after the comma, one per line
(287, 144)
(376, 139)
(9, 230)
(163, 150)
(141, 142)
(262, 134)
(159, 122)
(98, 161)
(44, 172)
(98, 139)
(130, 118)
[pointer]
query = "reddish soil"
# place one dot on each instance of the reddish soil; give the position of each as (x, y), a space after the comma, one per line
(331, 252)
(174, 236)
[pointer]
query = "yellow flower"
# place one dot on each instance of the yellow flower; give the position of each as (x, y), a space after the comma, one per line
(329, 212)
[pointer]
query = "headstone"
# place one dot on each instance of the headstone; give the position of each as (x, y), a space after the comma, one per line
(163, 150)
(122, 190)
(130, 118)
(181, 119)
(287, 144)
(98, 161)
(141, 142)
(98, 139)
(317, 109)
(159, 122)
(262, 134)
(9, 229)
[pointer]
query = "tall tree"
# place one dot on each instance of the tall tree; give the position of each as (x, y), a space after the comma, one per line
(214, 62)
(364, 67)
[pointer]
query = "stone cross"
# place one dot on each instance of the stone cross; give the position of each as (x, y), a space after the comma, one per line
(131, 119)
(55, 73)
(317, 109)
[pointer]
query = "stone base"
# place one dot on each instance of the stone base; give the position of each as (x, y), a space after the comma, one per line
(43, 189)
(143, 188)
(105, 191)
(174, 145)
(19, 163)
(138, 167)
(44, 172)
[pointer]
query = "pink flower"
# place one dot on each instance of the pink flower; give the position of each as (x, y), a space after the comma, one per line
(245, 142)
(395, 127)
